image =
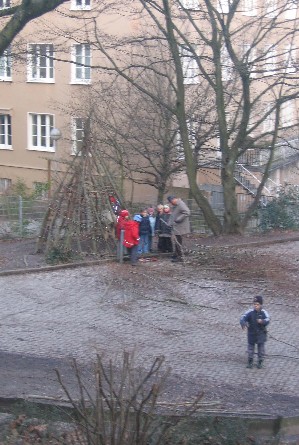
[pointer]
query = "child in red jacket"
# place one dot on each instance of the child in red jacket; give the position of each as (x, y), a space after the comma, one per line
(120, 222)
(131, 237)
(120, 225)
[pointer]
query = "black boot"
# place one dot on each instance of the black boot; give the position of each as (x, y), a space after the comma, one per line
(250, 363)
(259, 364)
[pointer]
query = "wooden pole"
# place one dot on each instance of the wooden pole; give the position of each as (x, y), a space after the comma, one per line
(49, 178)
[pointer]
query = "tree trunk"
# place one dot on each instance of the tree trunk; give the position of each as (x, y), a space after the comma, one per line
(211, 219)
(232, 223)
(161, 193)
(21, 15)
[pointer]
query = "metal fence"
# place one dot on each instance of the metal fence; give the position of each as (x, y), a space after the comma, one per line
(21, 217)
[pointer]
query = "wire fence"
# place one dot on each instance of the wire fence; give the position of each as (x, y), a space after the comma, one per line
(20, 217)
(23, 217)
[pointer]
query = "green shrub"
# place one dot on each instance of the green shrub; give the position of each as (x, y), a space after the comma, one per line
(59, 254)
(282, 212)
(19, 188)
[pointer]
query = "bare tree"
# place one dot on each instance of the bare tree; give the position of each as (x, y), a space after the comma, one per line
(243, 61)
(15, 18)
(121, 406)
(233, 55)
(138, 135)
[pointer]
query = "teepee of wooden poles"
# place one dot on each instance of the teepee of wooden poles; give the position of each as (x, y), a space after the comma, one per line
(81, 215)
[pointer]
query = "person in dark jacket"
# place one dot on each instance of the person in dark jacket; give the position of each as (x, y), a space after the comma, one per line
(158, 216)
(131, 237)
(144, 232)
(164, 230)
(152, 220)
(256, 320)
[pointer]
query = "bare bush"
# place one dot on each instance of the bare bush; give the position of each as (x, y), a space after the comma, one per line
(122, 406)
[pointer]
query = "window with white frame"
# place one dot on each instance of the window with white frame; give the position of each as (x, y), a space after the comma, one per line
(190, 4)
(271, 7)
(77, 135)
(5, 131)
(291, 58)
(291, 10)
(249, 7)
(81, 4)
(269, 121)
(226, 65)
(270, 61)
(287, 114)
(81, 66)
(223, 6)
(5, 65)
(189, 66)
(249, 53)
(40, 63)
(39, 128)
(5, 184)
(192, 136)
(4, 4)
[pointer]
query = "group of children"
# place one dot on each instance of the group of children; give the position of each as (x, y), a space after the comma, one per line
(138, 238)
(140, 230)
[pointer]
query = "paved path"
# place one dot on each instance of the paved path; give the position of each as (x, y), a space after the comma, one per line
(157, 308)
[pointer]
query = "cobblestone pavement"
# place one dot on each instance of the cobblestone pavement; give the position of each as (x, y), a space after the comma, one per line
(156, 308)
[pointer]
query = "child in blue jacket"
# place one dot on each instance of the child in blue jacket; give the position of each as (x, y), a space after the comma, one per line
(256, 320)
(144, 231)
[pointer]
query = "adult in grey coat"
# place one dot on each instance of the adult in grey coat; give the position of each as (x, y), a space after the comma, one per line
(180, 224)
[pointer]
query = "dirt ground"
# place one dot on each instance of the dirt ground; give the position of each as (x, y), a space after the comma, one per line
(234, 258)
(224, 254)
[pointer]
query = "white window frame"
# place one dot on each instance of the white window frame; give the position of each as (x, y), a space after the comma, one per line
(5, 132)
(39, 128)
(271, 8)
(191, 136)
(269, 121)
(252, 55)
(223, 6)
(291, 10)
(81, 66)
(5, 184)
(226, 64)
(81, 5)
(270, 62)
(287, 114)
(40, 62)
(193, 5)
(249, 8)
(291, 59)
(4, 4)
(6, 65)
(189, 66)
(77, 130)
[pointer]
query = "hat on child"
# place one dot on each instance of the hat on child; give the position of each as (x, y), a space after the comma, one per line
(124, 213)
(258, 299)
(137, 218)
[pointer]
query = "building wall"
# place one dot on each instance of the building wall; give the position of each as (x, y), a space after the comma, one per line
(61, 97)
(64, 100)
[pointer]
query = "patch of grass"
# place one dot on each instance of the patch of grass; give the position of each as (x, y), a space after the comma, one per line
(58, 255)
